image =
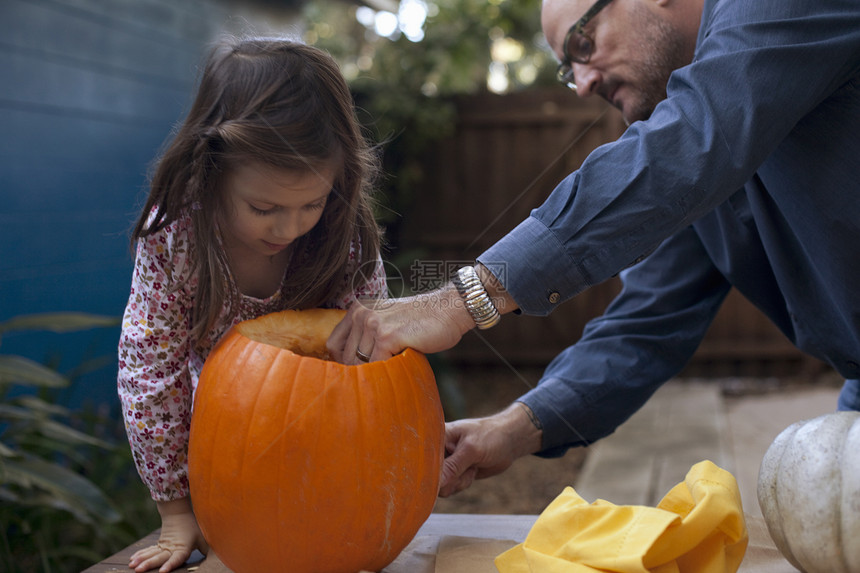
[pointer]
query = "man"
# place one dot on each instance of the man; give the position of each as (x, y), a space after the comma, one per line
(740, 167)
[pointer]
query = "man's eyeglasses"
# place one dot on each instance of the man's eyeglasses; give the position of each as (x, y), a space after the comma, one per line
(578, 45)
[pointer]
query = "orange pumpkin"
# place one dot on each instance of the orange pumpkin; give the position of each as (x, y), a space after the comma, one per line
(302, 464)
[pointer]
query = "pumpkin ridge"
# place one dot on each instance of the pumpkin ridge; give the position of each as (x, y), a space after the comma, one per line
(803, 433)
(837, 508)
(243, 425)
(213, 429)
(391, 503)
(319, 402)
(844, 430)
(851, 494)
(248, 431)
(413, 428)
(275, 360)
(413, 390)
(282, 502)
(256, 448)
(204, 489)
(779, 504)
(362, 406)
(779, 450)
(288, 464)
(307, 407)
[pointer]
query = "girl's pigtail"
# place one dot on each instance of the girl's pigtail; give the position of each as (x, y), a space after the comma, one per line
(216, 293)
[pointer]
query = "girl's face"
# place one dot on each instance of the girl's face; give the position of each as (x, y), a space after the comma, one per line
(270, 207)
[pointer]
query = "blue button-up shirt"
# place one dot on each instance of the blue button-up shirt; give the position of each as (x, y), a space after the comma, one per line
(747, 175)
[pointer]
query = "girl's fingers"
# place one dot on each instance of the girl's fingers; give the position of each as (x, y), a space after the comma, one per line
(149, 558)
(177, 558)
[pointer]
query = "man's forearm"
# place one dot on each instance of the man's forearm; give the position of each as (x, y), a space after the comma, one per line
(523, 429)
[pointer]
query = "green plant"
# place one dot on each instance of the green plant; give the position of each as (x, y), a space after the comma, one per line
(408, 89)
(58, 468)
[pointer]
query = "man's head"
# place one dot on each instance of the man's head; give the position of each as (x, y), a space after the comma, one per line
(634, 46)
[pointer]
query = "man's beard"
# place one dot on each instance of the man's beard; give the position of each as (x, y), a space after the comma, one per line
(663, 51)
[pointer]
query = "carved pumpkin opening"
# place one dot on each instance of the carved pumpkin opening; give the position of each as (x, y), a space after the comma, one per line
(304, 332)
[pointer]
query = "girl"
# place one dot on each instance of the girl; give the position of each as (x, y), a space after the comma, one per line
(260, 203)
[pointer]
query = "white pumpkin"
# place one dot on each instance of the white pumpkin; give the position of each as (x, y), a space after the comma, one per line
(809, 493)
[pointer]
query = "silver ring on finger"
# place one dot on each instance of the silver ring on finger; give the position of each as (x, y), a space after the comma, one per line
(361, 355)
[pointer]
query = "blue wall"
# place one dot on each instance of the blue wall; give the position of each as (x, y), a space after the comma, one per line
(89, 91)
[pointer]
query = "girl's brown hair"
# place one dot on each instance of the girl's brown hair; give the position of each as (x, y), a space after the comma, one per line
(287, 105)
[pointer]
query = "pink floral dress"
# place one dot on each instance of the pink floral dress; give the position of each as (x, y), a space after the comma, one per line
(158, 366)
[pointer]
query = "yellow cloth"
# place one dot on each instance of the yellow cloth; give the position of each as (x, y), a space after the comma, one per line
(698, 527)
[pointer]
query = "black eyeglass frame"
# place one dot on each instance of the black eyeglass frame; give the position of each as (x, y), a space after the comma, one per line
(565, 68)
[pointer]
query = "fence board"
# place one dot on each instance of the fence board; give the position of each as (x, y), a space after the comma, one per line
(506, 156)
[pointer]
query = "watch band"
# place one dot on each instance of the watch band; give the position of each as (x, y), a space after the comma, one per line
(475, 297)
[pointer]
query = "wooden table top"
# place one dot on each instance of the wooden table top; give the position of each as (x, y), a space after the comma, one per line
(443, 533)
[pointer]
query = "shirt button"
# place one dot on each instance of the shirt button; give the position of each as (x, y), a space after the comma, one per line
(553, 297)
(852, 364)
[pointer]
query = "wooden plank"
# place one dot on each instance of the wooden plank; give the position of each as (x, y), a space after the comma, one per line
(418, 557)
(500, 164)
(118, 562)
(468, 534)
(681, 425)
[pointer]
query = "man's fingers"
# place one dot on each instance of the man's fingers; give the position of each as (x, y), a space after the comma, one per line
(458, 482)
(336, 340)
(456, 468)
(338, 343)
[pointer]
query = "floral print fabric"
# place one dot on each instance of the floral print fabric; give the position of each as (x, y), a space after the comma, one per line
(158, 366)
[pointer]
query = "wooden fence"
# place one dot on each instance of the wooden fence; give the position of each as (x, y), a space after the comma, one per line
(506, 156)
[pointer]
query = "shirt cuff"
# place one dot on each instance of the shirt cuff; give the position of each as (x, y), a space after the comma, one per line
(533, 266)
(553, 404)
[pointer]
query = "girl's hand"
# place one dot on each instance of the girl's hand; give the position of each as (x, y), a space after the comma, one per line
(180, 536)
(378, 330)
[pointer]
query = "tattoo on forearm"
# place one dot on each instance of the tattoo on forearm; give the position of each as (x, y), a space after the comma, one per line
(532, 417)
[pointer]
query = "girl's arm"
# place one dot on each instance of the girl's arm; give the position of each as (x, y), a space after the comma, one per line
(154, 385)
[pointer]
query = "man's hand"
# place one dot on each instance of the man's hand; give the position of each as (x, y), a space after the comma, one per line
(378, 330)
(483, 447)
(428, 322)
(180, 536)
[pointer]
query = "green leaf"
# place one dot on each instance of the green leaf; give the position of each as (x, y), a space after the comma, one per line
(9, 413)
(6, 494)
(38, 422)
(21, 370)
(69, 435)
(58, 322)
(54, 486)
(38, 405)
